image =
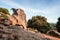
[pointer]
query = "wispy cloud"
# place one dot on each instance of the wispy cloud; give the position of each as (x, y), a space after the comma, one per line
(16, 5)
(50, 11)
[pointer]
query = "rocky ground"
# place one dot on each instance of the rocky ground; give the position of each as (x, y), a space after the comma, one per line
(14, 28)
(16, 33)
(51, 37)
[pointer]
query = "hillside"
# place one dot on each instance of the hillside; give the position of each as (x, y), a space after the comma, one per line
(13, 27)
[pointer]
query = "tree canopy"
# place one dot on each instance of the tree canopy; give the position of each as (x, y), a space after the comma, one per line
(40, 23)
(58, 25)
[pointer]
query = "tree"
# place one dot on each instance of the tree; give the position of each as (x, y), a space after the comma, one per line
(40, 23)
(4, 10)
(58, 25)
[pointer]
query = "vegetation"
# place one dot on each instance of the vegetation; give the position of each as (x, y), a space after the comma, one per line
(58, 25)
(52, 25)
(4, 10)
(40, 23)
(36, 23)
(4, 16)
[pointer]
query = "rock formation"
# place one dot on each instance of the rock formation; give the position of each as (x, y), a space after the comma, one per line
(18, 17)
(11, 32)
(11, 27)
(54, 33)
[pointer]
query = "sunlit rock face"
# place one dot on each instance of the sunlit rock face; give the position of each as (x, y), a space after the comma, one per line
(18, 18)
(10, 29)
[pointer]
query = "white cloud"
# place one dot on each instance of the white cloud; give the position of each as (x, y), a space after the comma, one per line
(50, 12)
(16, 5)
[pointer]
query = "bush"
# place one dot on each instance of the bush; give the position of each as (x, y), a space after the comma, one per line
(58, 25)
(4, 10)
(40, 23)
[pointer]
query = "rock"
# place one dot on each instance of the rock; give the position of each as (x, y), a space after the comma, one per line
(13, 32)
(4, 19)
(54, 33)
(18, 17)
(21, 17)
(11, 27)
(12, 19)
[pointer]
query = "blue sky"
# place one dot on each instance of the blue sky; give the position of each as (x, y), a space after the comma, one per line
(48, 8)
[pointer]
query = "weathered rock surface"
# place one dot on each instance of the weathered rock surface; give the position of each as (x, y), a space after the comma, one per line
(18, 17)
(11, 27)
(12, 32)
(54, 33)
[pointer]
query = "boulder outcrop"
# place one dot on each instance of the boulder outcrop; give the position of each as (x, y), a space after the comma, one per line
(13, 32)
(11, 27)
(18, 17)
(54, 33)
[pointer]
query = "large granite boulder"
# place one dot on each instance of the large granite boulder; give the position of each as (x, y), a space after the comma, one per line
(53, 33)
(12, 32)
(18, 17)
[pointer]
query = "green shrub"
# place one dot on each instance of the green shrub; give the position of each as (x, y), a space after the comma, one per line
(4, 10)
(40, 23)
(58, 25)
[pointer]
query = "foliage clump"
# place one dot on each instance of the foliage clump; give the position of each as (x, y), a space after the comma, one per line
(58, 25)
(4, 12)
(40, 23)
